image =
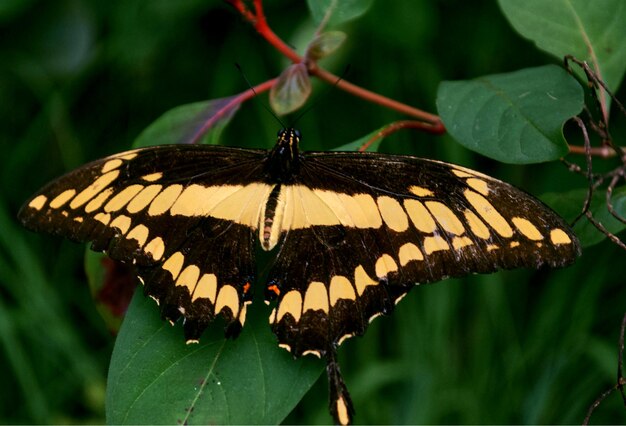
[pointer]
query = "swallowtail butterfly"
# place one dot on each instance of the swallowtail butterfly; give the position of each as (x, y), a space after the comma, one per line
(353, 232)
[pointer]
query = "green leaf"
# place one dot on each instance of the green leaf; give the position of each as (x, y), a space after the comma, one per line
(594, 31)
(186, 124)
(291, 90)
(325, 44)
(355, 145)
(340, 10)
(514, 118)
(154, 378)
(569, 204)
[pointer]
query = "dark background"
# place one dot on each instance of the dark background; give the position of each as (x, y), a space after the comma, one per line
(80, 79)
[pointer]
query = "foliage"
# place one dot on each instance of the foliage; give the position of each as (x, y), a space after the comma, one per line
(83, 79)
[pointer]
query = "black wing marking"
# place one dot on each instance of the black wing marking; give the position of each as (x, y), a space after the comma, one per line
(194, 266)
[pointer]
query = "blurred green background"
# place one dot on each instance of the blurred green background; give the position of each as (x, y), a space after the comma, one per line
(80, 79)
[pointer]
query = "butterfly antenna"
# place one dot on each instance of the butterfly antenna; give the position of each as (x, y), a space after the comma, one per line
(310, 107)
(266, 107)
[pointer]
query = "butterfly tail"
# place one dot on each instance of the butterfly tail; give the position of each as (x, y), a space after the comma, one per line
(340, 403)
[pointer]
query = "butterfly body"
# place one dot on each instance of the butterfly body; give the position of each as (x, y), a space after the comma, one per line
(353, 233)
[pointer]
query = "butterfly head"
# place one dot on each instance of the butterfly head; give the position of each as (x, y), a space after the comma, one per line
(283, 159)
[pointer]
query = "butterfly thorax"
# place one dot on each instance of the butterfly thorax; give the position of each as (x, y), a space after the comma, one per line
(283, 159)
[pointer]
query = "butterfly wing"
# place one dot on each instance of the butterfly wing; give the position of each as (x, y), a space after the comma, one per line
(162, 209)
(376, 225)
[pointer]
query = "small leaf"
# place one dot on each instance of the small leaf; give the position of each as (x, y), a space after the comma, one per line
(291, 90)
(569, 204)
(514, 118)
(355, 145)
(591, 31)
(184, 124)
(324, 44)
(155, 378)
(340, 10)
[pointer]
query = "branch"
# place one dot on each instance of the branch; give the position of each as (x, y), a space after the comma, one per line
(258, 21)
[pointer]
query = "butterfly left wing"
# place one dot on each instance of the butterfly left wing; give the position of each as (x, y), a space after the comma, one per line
(182, 215)
(362, 229)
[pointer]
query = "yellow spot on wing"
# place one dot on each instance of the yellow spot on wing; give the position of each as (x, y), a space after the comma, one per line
(342, 411)
(409, 252)
(164, 200)
(316, 297)
(174, 264)
(139, 233)
(122, 198)
(103, 218)
(446, 217)
(97, 202)
(489, 213)
(121, 222)
(111, 165)
(238, 203)
(478, 185)
(312, 352)
(422, 220)
(362, 280)
(189, 277)
(460, 242)
(476, 225)
(384, 265)
(206, 288)
(420, 191)
(128, 155)
(292, 304)
(144, 198)
(514, 244)
(527, 229)
(436, 243)
(152, 177)
(340, 288)
(393, 214)
(558, 236)
(38, 202)
(62, 198)
(461, 173)
(227, 297)
(94, 189)
(155, 248)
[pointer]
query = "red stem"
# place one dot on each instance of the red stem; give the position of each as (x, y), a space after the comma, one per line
(259, 22)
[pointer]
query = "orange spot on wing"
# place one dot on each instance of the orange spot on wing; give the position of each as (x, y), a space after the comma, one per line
(246, 287)
(275, 289)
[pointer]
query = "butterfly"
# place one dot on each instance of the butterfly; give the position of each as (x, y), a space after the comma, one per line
(352, 233)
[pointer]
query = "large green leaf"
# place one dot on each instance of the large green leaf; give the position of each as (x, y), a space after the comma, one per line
(340, 10)
(514, 118)
(594, 31)
(155, 378)
(191, 123)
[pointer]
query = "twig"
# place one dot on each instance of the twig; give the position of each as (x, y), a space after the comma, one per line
(257, 19)
(397, 125)
(620, 378)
